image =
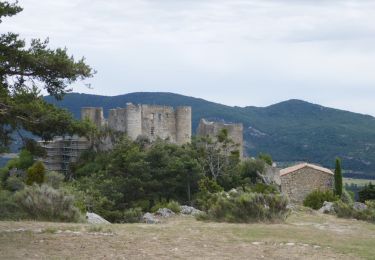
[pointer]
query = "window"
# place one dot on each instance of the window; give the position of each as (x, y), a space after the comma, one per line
(152, 130)
(159, 117)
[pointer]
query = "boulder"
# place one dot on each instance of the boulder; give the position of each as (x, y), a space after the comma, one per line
(164, 213)
(149, 218)
(93, 218)
(328, 207)
(187, 210)
(359, 206)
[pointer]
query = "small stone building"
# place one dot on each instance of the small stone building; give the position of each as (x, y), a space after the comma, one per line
(300, 180)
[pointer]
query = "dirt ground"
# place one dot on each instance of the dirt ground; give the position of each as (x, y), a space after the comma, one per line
(303, 236)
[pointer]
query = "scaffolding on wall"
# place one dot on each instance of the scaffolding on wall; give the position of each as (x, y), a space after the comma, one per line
(62, 151)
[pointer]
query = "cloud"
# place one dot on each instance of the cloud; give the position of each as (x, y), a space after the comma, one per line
(238, 52)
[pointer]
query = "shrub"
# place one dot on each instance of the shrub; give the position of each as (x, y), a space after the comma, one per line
(347, 196)
(172, 205)
(9, 209)
(54, 179)
(14, 183)
(36, 173)
(46, 203)
(208, 185)
(345, 210)
(132, 215)
(316, 199)
(370, 204)
(245, 207)
(264, 188)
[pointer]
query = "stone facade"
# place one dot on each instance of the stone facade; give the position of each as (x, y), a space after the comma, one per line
(300, 180)
(151, 121)
(235, 131)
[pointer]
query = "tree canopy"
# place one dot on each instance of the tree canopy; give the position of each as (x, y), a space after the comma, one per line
(25, 70)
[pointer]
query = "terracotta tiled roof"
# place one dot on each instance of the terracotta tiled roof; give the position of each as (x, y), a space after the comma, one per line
(303, 165)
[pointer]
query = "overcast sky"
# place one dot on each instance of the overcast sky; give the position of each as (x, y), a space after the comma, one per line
(235, 52)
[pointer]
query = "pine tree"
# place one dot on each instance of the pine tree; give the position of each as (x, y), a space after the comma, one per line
(338, 178)
(25, 70)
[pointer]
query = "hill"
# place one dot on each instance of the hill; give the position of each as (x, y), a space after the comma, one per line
(290, 131)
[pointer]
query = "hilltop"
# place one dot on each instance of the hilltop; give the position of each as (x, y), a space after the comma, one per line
(292, 130)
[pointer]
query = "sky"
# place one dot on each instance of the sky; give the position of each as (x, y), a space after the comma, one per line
(234, 52)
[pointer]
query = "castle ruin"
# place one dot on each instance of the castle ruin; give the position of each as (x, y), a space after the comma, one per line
(212, 129)
(151, 121)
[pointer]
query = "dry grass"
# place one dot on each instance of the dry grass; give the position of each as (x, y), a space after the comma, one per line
(304, 236)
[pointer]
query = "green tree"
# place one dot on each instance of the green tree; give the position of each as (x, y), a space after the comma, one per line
(250, 169)
(338, 178)
(219, 155)
(25, 70)
(367, 193)
(266, 158)
(36, 173)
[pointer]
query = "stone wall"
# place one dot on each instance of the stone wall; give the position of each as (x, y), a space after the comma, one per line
(298, 184)
(183, 125)
(235, 131)
(94, 114)
(152, 121)
(159, 121)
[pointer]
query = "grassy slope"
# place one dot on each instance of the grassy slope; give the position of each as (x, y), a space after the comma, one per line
(304, 236)
(293, 130)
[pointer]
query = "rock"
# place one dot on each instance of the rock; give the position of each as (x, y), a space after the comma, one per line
(187, 210)
(149, 218)
(164, 213)
(359, 206)
(93, 218)
(328, 207)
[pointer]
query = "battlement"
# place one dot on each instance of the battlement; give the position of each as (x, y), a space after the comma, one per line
(152, 121)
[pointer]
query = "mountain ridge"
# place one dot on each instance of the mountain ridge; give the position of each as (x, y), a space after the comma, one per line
(291, 130)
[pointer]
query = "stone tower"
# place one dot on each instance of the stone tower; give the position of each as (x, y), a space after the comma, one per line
(133, 116)
(183, 125)
(94, 114)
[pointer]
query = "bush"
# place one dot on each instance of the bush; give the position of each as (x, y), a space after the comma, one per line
(54, 179)
(316, 199)
(36, 173)
(345, 210)
(208, 185)
(264, 188)
(132, 215)
(46, 203)
(245, 207)
(370, 204)
(172, 205)
(14, 183)
(9, 208)
(347, 196)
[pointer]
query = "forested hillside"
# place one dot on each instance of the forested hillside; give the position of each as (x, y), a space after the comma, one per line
(290, 131)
